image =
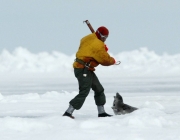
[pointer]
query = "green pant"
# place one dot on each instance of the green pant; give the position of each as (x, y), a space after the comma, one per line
(85, 84)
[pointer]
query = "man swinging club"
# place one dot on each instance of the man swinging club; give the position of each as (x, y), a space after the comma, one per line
(92, 52)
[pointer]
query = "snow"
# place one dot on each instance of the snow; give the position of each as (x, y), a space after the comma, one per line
(142, 62)
(35, 90)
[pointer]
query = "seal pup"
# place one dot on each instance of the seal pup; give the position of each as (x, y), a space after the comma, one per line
(119, 107)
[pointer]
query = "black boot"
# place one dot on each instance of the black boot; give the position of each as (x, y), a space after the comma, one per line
(69, 112)
(68, 115)
(104, 115)
(101, 112)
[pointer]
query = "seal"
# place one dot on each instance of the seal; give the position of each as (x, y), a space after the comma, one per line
(119, 107)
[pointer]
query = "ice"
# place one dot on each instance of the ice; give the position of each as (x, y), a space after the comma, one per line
(35, 90)
(142, 62)
(39, 116)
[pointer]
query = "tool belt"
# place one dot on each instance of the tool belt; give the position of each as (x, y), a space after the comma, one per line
(85, 64)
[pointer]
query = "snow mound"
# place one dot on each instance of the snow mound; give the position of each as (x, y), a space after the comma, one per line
(142, 62)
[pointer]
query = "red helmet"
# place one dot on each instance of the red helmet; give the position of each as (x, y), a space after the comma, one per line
(102, 33)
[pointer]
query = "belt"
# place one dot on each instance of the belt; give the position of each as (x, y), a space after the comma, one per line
(86, 66)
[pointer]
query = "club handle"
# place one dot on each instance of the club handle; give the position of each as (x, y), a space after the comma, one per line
(89, 25)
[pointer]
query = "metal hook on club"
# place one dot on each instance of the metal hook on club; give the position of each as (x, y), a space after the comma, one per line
(117, 63)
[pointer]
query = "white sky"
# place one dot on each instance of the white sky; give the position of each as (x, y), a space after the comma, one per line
(49, 25)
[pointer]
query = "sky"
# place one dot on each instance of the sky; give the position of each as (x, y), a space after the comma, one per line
(57, 25)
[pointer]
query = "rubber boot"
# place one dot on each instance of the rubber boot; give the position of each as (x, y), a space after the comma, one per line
(101, 112)
(69, 112)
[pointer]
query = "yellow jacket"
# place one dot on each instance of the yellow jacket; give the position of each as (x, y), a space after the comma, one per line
(92, 49)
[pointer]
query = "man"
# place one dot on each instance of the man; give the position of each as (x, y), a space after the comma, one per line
(92, 52)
